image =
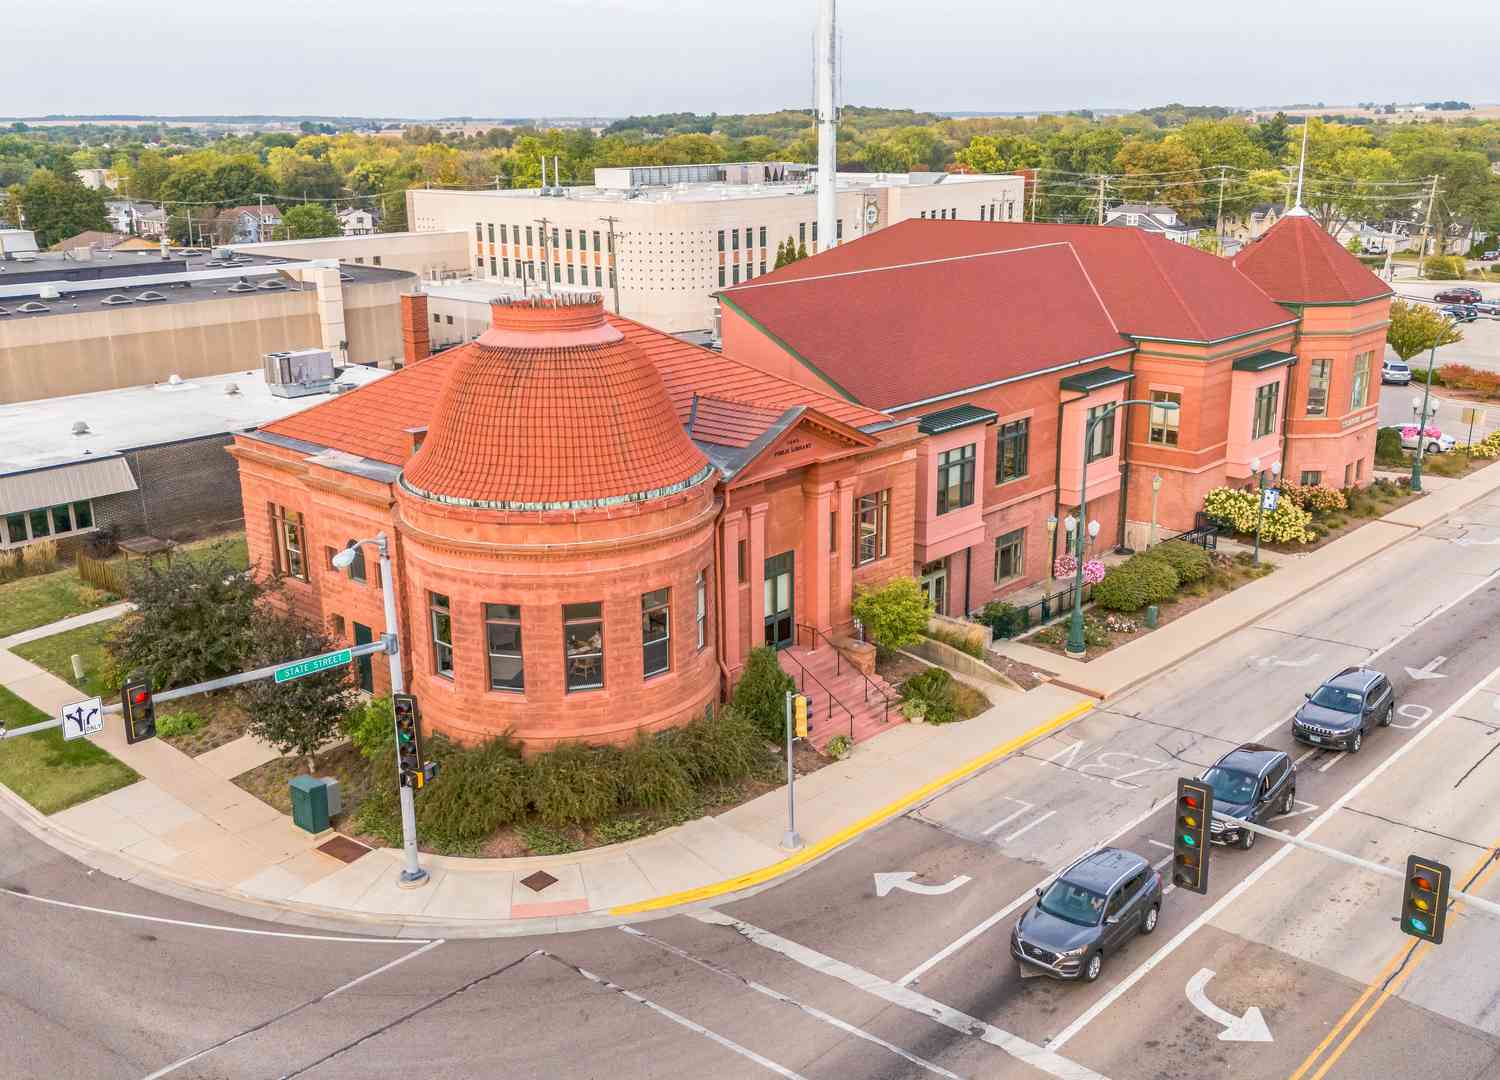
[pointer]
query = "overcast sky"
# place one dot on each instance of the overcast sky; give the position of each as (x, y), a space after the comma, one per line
(428, 58)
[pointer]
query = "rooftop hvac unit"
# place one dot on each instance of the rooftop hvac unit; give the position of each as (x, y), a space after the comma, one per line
(47, 291)
(299, 373)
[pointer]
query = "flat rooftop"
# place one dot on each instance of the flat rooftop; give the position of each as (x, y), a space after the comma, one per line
(39, 434)
(486, 292)
(719, 191)
(112, 280)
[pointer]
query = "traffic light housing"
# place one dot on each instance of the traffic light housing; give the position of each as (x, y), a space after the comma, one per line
(799, 715)
(1192, 837)
(1424, 899)
(139, 710)
(408, 741)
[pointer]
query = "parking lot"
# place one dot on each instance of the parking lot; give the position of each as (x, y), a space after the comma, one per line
(1480, 348)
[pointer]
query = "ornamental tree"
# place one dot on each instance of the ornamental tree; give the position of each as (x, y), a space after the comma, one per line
(894, 615)
(1415, 328)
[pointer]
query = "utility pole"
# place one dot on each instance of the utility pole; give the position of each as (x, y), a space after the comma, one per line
(260, 219)
(1219, 218)
(497, 178)
(1036, 184)
(1102, 180)
(546, 259)
(614, 273)
(1427, 224)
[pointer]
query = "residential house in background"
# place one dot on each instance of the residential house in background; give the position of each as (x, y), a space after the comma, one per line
(247, 224)
(1253, 224)
(356, 221)
(1159, 220)
(123, 214)
(98, 179)
(151, 222)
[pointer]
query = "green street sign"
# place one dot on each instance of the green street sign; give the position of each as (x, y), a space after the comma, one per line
(312, 665)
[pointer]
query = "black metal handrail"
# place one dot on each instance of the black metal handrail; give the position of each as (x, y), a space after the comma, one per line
(832, 701)
(839, 659)
(1037, 613)
(1204, 536)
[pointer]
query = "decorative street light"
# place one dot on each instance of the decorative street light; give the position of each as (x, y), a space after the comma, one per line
(1416, 458)
(1052, 542)
(1260, 492)
(1076, 647)
(1155, 491)
(412, 874)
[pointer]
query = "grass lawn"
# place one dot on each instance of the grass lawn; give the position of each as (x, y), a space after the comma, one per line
(48, 772)
(35, 601)
(231, 545)
(54, 653)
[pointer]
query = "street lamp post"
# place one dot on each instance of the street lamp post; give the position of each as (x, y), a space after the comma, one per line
(1260, 494)
(1416, 459)
(1155, 491)
(1051, 544)
(412, 874)
(1076, 647)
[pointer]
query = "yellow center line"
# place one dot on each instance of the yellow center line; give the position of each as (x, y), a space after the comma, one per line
(1418, 954)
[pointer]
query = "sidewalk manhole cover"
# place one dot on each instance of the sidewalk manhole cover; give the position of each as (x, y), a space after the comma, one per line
(343, 849)
(538, 881)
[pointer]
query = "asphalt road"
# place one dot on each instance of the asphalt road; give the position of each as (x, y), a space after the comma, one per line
(819, 977)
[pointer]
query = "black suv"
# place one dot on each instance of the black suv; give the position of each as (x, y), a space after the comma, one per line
(1341, 711)
(1093, 907)
(1251, 783)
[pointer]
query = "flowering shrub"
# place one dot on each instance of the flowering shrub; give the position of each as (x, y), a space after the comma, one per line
(1287, 524)
(1119, 624)
(1065, 566)
(1409, 431)
(1465, 377)
(1093, 572)
(1487, 447)
(1319, 498)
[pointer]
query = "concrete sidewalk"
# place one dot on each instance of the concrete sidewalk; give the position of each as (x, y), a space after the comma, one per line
(1120, 669)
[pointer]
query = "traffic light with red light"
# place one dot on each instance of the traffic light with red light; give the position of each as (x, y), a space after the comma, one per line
(408, 741)
(1192, 837)
(139, 710)
(1424, 899)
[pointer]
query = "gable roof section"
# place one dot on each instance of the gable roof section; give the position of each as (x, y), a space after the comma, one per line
(1297, 262)
(374, 425)
(898, 335)
(1151, 286)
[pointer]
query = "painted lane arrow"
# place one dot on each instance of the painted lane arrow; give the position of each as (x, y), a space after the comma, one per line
(1428, 670)
(1273, 661)
(1248, 1028)
(884, 883)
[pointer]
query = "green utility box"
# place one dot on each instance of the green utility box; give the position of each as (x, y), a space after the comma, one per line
(1153, 614)
(309, 803)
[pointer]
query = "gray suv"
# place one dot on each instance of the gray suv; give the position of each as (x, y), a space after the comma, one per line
(1251, 783)
(1341, 712)
(1093, 907)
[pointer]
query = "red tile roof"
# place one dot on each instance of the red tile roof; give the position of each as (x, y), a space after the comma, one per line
(1297, 262)
(552, 406)
(730, 423)
(372, 421)
(1151, 286)
(895, 335)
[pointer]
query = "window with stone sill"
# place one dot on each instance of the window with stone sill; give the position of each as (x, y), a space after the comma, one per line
(442, 634)
(656, 632)
(701, 618)
(502, 629)
(289, 542)
(583, 645)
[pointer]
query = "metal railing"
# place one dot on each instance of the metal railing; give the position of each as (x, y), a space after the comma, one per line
(827, 694)
(838, 669)
(1204, 536)
(1037, 613)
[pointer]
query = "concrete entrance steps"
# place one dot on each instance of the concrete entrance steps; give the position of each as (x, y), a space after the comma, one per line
(828, 675)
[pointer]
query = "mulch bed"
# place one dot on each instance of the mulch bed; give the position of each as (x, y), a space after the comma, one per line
(268, 782)
(1026, 676)
(226, 721)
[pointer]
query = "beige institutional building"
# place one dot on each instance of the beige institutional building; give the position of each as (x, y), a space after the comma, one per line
(682, 232)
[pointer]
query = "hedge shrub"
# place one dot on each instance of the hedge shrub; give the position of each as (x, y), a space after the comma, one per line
(1190, 561)
(760, 695)
(1140, 580)
(1443, 268)
(1388, 445)
(1318, 498)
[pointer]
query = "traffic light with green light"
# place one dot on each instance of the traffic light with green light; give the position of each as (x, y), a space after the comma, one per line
(1424, 899)
(139, 709)
(1191, 836)
(408, 741)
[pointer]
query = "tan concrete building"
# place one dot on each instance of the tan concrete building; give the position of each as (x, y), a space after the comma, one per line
(432, 256)
(682, 232)
(71, 326)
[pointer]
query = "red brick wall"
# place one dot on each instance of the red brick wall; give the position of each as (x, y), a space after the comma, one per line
(415, 333)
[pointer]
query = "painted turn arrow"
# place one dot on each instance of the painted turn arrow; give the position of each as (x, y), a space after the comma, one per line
(1428, 670)
(884, 883)
(1248, 1028)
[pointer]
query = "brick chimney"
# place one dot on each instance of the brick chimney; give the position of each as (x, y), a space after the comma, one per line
(414, 333)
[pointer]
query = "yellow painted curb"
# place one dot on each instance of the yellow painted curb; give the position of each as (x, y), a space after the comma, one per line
(827, 844)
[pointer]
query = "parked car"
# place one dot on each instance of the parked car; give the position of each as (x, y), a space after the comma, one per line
(1487, 307)
(1091, 909)
(1461, 294)
(1251, 783)
(1460, 312)
(1434, 440)
(1490, 256)
(1341, 712)
(1396, 372)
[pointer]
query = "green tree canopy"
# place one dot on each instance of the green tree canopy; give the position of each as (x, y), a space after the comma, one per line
(57, 207)
(1416, 328)
(310, 220)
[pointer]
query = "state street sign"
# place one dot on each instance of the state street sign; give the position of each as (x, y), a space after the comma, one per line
(312, 665)
(82, 718)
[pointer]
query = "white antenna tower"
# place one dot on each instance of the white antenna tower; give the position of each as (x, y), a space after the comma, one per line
(1301, 169)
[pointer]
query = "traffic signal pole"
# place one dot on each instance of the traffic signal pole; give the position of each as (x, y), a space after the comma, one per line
(412, 874)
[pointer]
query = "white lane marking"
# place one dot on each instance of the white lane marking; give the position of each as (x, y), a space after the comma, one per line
(1248, 1028)
(1310, 753)
(1024, 829)
(1008, 818)
(1331, 762)
(1307, 808)
(1037, 1057)
(1428, 670)
(1416, 714)
(1159, 863)
(1160, 843)
(902, 880)
(1119, 989)
(678, 1018)
(382, 969)
(213, 926)
(1274, 661)
(777, 995)
(1025, 898)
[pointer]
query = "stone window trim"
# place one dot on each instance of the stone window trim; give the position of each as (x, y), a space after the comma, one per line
(656, 632)
(872, 526)
(504, 648)
(440, 626)
(1164, 426)
(1013, 449)
(1010, 556)
(288, 543)
(583, 646)
(955, 478)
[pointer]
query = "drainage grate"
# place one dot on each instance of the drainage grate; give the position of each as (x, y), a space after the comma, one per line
(538, 881)
(344, 849)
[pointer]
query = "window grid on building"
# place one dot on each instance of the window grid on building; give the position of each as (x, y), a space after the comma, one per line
(955, 478)
(872, 527)
(656, 632)
(1012, 447)
(1317, 387)
(1010, 555)
(23, 526)
(1265, 410)
(289, 540)
(1359, 394)
(502, 634)
(1101, 439)
(700, 618)
(583, 645)
(441, 619)
(1165, 424)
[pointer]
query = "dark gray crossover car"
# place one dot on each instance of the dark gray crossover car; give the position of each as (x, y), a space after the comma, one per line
(1341, 712)
(1091, 909)
(1251, 783)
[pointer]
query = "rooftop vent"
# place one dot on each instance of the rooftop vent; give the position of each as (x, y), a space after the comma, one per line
(149, 295)
(242, 286)
(173, 379)
(48, 292)
(4, 311)
(271, 285)
(299, 373)
(116, 298)
(232, 389)
(32, 305)
(80, 427)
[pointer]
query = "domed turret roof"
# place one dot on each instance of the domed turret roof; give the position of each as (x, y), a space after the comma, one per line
(552, 408)
(1297, 262)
